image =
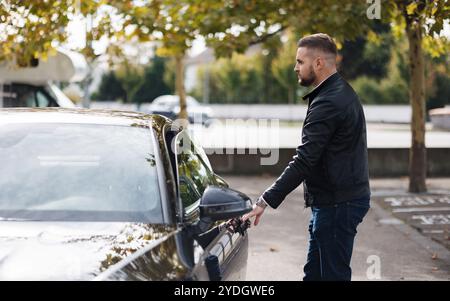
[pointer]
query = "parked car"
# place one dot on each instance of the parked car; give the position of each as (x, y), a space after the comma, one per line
(169, 106)
(440, 118)
(103, 195)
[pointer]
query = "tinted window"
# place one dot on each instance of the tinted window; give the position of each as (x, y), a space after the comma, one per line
(18, 96)
(194, 174)
(42, 100)
(23, 95)
(78, 172)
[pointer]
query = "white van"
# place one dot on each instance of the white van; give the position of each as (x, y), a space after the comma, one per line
(34, 86)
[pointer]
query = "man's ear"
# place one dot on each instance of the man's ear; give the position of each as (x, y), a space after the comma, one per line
(319, 62)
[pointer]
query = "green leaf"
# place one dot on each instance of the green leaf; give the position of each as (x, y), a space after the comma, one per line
(411, 8)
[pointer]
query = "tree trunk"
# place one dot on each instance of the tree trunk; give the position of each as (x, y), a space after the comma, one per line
(417, 154)
(179, 86)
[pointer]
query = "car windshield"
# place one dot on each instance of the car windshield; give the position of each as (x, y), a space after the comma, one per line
(78, 172)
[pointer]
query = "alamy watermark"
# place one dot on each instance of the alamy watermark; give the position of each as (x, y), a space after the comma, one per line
(373, 272)
(374, 9)
(231, 136)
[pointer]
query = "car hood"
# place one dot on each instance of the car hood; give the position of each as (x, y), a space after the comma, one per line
(71, 250)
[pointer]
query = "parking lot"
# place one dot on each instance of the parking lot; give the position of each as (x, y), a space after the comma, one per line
(429, 214)
(388, 245)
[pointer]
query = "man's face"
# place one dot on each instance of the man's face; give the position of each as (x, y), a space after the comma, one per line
(304, 67)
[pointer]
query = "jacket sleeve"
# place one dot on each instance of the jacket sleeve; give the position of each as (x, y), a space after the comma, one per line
(320, 123)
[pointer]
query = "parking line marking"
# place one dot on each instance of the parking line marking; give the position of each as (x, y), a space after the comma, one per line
(433, 231)
(418, 209)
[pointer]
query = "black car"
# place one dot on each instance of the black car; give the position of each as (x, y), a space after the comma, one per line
(109, 195)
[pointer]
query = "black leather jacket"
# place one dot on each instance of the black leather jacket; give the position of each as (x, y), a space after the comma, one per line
(332, 159)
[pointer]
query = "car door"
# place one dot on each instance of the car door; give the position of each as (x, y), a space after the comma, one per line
(224, 254)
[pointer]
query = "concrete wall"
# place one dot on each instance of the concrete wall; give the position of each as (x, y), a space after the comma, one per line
(382, 162)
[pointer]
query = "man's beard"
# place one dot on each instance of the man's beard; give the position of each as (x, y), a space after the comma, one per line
(307, 81)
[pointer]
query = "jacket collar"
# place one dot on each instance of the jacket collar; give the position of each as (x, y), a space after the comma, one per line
(330, 79)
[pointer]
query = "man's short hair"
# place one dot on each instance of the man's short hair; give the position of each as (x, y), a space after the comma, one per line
(319, 41)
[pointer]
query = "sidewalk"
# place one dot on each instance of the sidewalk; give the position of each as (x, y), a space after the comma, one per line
(269, 134)
(279, 244)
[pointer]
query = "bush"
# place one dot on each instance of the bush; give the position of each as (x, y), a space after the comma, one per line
(110, 88)
(235, 80)
(387, 91)
(367, 89)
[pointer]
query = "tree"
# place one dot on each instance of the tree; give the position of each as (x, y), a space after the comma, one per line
(422, 20)
(174, 25)
(110, 88)
(33, 29)
(131, 78)
(30, 30)
(282, 68)
(362, 56)
(153, 84)
(232, 26)
(136, 84)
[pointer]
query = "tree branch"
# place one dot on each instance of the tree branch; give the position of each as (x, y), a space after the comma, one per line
(267, 36)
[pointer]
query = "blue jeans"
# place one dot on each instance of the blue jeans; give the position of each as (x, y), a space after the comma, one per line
(332, 231)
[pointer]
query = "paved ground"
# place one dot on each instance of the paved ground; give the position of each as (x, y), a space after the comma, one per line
(386, 248)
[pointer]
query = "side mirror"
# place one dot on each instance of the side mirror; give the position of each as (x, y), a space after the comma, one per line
(221, 203)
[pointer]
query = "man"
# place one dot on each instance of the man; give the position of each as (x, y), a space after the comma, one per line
(331, 162)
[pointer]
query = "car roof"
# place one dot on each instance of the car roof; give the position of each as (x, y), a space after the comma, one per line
(83, 116)
(173, 98)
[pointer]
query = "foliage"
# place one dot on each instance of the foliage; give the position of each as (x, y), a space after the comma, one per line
(364, 57)
(135, 84)
(154, 84)
(110, 88)
(282, 68)
(234, 80)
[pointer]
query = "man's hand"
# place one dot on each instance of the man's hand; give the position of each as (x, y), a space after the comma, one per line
(257, 211)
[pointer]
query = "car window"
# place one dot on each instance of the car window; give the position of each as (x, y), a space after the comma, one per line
(202, 154)
(80, 172)
(24, 95)
(189, 194)
(19, 95)
(191, 170)
(42, 99)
